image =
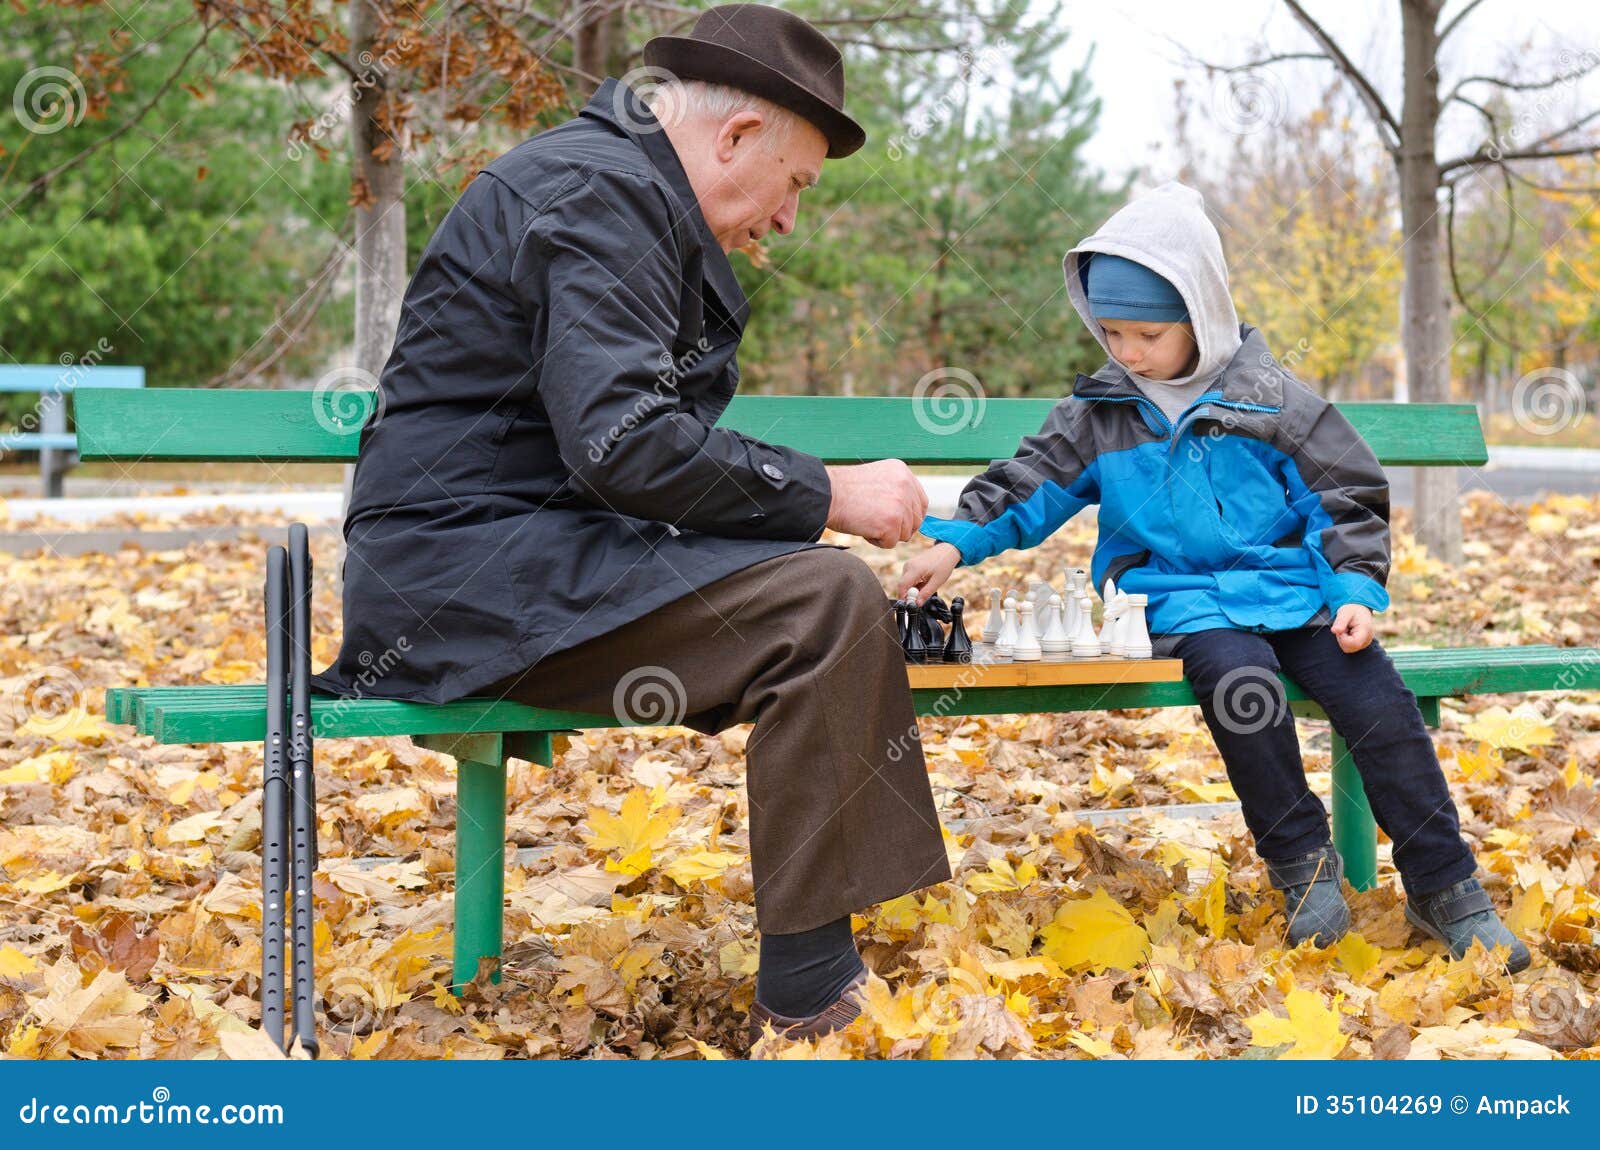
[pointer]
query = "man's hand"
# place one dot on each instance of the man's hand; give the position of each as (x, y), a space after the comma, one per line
(882, 502)
(1352, 626)
(928, 571)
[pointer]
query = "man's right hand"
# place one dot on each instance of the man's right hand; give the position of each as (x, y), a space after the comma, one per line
(883, 502)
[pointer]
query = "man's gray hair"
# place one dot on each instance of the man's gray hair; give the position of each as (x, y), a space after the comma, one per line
(673, 101)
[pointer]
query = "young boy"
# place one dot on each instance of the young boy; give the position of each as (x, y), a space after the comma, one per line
(1256, 520)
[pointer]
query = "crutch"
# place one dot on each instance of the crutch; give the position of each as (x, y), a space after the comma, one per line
(274, 799)
(303, 788)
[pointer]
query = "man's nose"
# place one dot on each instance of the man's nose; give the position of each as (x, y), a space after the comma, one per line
(783, 218)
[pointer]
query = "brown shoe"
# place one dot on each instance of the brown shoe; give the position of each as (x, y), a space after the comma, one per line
(837, 1015)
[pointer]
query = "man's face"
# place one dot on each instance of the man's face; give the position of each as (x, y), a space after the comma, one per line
(1154, 350)
(746, 188)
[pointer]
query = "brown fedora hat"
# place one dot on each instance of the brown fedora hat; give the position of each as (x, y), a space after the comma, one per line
(769, 53)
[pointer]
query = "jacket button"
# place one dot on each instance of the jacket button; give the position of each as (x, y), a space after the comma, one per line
(772, 471)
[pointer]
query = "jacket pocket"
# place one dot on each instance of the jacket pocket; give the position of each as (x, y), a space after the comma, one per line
(1122, 564)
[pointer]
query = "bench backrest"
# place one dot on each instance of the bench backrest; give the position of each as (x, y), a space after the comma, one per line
(310, 426)
(50, 378)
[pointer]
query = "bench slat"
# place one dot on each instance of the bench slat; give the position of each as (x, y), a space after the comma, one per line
(50, 378)
(234, 713)
(308, 426)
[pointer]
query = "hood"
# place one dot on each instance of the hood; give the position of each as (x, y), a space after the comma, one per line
(1167, 230)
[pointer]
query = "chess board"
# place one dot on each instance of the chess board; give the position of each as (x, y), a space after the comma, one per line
(1064, 672)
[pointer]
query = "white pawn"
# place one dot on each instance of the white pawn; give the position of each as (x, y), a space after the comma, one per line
(1026, 649)
(991, 624)
(1133, 633)
(1084, 643)
(1006, 641)
(1056, 641)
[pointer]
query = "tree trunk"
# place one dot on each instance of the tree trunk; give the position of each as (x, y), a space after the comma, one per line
(598, 49)
(1426, 306)
(381, 223)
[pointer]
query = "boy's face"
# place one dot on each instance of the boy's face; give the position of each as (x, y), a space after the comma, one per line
(1154, 350)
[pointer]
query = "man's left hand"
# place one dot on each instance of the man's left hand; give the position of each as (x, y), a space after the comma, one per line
(1352, 626)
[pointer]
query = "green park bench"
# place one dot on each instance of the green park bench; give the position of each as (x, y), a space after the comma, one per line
(481, 734)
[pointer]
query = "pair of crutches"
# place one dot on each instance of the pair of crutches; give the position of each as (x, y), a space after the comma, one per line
(288, 798)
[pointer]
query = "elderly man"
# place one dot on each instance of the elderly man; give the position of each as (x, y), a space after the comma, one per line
(545, 510)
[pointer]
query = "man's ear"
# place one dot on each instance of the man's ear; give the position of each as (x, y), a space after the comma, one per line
(737, 129)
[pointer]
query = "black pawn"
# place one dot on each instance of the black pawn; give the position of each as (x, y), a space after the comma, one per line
(900, 621)
(958, 648)
(916, 641)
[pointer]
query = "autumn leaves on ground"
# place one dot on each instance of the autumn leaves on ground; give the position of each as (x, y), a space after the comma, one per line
(129, 883)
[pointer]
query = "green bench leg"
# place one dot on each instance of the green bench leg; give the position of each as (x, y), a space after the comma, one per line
(480, 867)
(481, 845)
(1355, 832)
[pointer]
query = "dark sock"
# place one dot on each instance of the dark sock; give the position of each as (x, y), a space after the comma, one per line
(801, 974)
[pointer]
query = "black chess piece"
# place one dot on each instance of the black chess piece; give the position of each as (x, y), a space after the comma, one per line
(934, 611)
(900, 623)
(916, 640)
(958, 648)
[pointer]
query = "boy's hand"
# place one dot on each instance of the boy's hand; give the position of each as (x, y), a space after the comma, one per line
(1352, 626)
(928, 571)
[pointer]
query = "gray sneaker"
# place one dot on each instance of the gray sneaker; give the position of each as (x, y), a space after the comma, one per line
(1462, 912)
(1313, 896)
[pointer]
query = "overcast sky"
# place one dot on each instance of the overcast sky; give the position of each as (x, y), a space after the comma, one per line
(1139, 51)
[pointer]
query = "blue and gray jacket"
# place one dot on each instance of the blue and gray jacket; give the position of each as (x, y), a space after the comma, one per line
(1260, 509)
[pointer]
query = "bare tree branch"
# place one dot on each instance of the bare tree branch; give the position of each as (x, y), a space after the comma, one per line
(1388, 126)
(1525, 85)
(1553, 189)
(1482, 158)
(1479, 317)
(1455, 21)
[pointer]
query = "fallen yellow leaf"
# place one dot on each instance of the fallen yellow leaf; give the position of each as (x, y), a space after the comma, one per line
(1095, 932)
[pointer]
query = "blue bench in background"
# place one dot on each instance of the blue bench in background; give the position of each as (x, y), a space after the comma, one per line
(48, 434)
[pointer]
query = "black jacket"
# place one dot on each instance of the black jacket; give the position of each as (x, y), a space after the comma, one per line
(544, 466)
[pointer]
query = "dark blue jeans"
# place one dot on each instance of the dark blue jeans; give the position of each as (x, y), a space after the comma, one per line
(1235, 676)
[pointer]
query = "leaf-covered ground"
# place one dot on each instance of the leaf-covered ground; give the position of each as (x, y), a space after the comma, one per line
(129, 885)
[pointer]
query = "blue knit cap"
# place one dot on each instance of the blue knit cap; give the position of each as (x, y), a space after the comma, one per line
(1122, 289)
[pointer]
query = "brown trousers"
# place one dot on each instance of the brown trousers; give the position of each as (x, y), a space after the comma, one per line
(803, 646)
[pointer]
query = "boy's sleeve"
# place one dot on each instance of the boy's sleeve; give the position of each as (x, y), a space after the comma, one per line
(1339, 489)
(1021, 501)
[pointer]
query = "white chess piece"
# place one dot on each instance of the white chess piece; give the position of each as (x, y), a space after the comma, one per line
(991, 624)
(1006, 641)
(1056, 640)
(1026, 649)
(1119, 630)
(1039, 593)
(1133, 632)
(1108, 620)
(1084, 643)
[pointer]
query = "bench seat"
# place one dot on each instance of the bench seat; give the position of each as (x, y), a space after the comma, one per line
(237, 713)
